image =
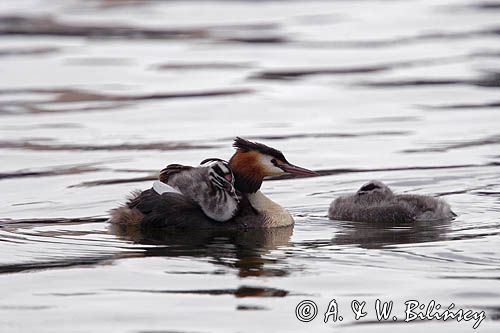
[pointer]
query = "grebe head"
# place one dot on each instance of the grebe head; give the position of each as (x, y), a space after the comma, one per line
(254, 161)
(220, 174)
(374, 188)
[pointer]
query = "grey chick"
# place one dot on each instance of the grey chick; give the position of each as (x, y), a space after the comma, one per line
(210, 185)
(375, 202)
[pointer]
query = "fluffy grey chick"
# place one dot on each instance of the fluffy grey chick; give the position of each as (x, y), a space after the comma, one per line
(210, 185)
(375, 202)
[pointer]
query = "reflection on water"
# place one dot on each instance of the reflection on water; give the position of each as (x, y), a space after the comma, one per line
(243, 250)
(378, 235)
(97, 96)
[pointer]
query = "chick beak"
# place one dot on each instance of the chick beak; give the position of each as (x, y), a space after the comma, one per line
(296, 170)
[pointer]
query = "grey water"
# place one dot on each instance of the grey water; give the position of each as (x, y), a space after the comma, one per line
(97, 96)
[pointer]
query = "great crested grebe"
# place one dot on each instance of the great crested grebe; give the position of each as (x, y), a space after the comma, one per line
(250, 164)
(209, 185)
(375, 202)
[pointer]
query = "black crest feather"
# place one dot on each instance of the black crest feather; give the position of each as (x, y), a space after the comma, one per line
(245, 145)
(369, 187)
(213, 159)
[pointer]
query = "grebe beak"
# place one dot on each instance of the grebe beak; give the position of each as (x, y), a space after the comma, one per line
(296, 170)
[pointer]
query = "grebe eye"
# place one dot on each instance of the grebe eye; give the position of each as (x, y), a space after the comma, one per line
(274, 162)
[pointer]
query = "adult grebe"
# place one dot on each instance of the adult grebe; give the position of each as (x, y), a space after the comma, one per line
(251, 163)
(375, 202)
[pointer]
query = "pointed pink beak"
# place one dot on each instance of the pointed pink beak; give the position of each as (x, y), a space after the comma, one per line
(296, 170)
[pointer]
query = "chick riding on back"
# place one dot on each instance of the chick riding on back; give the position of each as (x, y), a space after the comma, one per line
(209, 185)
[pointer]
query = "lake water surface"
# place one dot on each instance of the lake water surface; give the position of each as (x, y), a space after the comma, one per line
(97, 96)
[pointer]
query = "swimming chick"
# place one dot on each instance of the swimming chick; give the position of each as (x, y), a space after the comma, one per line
(375, 202)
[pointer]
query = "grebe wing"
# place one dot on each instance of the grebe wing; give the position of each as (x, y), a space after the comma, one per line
(169, 210)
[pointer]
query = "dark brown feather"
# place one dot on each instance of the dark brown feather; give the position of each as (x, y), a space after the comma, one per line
(172, 169)
(172, 210)
(212, 159)
(246, 184)
(245, 145)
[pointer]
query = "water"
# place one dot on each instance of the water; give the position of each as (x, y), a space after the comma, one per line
(96, 96)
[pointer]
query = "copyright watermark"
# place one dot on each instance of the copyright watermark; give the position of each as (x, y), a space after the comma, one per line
(307, 311)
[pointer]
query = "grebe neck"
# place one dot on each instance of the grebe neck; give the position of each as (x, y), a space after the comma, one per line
(274, 215)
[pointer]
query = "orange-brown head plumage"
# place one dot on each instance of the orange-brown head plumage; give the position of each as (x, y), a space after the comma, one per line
(254, 161)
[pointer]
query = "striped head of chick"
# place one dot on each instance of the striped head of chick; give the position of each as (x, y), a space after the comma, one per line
(374, 191)
(221, 175)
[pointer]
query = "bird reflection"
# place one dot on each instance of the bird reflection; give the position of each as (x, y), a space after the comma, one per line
(244, 250)
(371, 235)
